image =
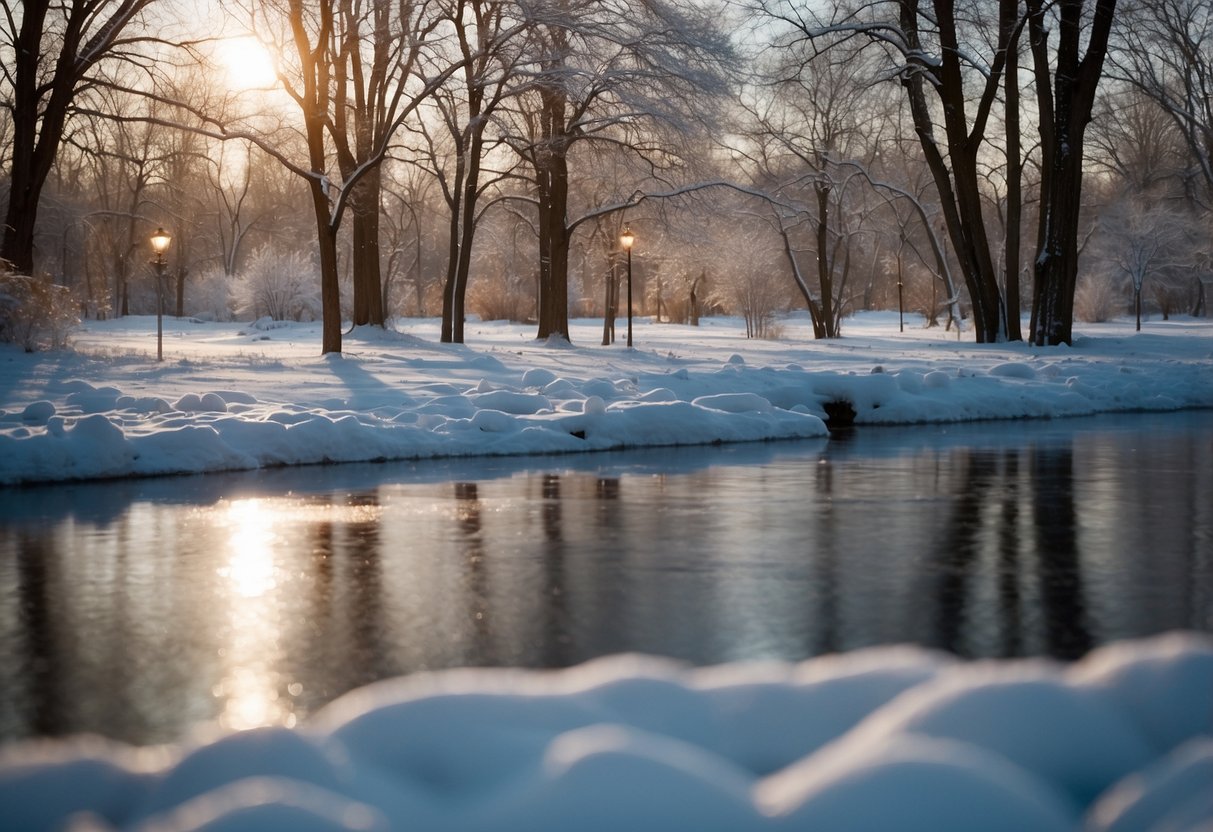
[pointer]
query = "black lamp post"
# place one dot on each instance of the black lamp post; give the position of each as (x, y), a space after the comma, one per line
(160, 241)
(627, 239)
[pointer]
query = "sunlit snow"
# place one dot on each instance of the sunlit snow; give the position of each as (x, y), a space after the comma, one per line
(243, 396)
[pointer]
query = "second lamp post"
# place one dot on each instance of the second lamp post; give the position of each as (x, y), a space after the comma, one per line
(160, 241)
(627, 239)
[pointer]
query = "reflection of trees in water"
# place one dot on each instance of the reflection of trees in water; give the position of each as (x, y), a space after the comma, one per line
(346, 616)
(468, 517)
(1061, 584)
(984, 523)
(555, 638)
(43, 663)
(825, 637)
(1009, 595)
(954, 560)
(366, 589)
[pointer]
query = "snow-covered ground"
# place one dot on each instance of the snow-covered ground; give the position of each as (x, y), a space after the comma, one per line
(240, 396)
(890, 738)
(881, 739)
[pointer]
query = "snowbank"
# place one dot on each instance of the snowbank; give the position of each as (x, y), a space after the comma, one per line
(235, 399)
(886, 738)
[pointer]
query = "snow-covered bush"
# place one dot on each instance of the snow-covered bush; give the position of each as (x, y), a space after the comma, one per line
(208, 295)
(282, 285)
(35, 313)
(1098, 298)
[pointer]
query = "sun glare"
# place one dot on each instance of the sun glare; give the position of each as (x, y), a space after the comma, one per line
(246, 63)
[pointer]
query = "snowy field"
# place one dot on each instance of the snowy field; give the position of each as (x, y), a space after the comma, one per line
(883, 739)
(243, 396)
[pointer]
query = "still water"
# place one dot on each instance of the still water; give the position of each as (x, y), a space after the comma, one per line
(138, 609)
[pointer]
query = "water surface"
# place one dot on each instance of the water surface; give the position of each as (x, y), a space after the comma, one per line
(139, 608)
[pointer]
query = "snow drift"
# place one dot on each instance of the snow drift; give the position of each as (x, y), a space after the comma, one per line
(885, 738)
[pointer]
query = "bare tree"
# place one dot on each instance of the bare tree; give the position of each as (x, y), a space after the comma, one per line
(489, 40)
(49, 51)
(953, 69)
(1165, 49)
(613, 79)
(1067, 76)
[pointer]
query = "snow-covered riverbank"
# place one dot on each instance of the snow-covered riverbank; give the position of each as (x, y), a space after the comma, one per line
(239, 396)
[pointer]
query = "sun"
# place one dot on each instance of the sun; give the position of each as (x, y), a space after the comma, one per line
(246, 63)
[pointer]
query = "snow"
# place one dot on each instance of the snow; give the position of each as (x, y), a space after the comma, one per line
(884, 738)
(232, 396)
(887, 738)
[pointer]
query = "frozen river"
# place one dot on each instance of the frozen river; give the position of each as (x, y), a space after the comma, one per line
(137, 608)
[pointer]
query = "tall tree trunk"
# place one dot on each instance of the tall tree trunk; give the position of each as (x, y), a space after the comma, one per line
(368, 281)
(1065, 98)
(82, 33)
(956, 177)
(34, 149)
(1014, 195)
(825, 268)
(463, 234)
(330, 289)
(313, 102)
(552, 180)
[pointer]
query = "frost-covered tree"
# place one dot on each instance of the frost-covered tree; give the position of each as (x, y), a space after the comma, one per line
(456, 130)
(957, 62)
(632, 76)
(279, 285)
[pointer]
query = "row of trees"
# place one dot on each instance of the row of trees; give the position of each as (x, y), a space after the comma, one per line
(938, 146)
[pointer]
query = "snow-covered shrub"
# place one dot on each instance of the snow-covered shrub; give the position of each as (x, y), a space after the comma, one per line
(35, 313)
(208, 295)
(1098, 298)
(282, 285)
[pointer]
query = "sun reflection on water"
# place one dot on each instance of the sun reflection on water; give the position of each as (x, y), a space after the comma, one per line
(261, 541)
(250, 687)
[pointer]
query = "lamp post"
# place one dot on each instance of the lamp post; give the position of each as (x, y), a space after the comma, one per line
(160, 241)
(627, 239)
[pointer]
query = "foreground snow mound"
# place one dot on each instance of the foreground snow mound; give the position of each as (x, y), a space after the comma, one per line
(888, 738)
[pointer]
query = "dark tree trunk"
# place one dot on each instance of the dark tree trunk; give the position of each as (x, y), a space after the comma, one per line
(463, 234)
(34, 149)
(83, 34)
(956, 176)
(1014, 195)
(182, 272)
(314, 102)
(1065, 97)
(825, 269)
(552, 181)
(368, 281)
(330, 289)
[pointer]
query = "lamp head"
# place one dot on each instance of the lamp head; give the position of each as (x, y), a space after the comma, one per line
(627, 239)
(160, 241)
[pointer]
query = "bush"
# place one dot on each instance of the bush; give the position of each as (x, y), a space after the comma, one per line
(208, 296)
(35, 313)
(501, 298)
(1097, 299)
(282, 286)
